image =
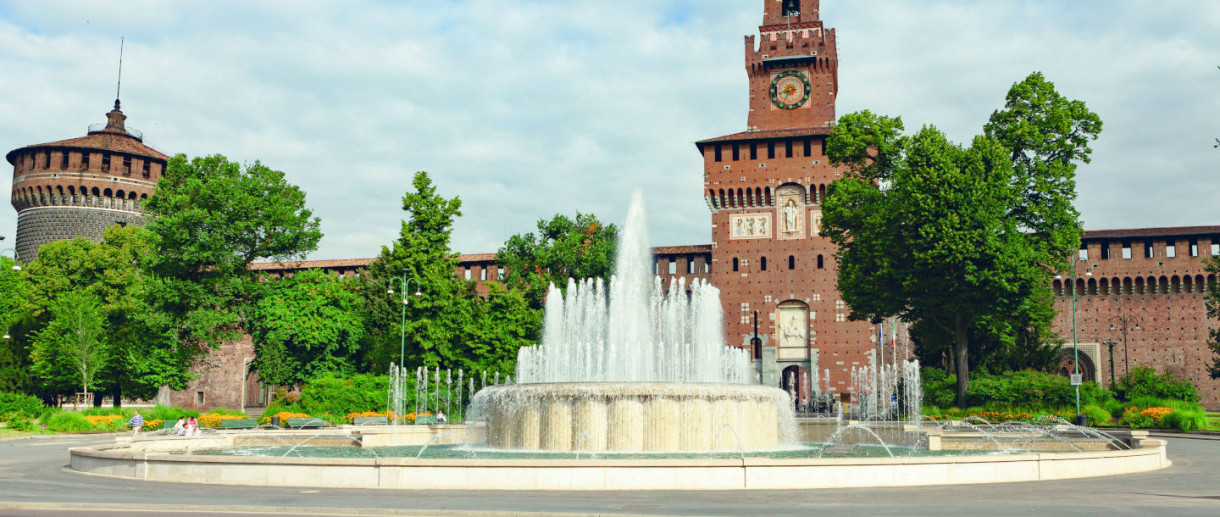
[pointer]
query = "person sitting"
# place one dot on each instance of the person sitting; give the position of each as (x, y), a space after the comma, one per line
(440, 417)
(136, 423)
(180, 426)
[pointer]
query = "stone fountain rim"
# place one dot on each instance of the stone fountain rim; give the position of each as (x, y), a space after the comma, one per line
(612, 474)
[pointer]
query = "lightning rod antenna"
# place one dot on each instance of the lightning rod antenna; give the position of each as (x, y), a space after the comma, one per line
(119, 87)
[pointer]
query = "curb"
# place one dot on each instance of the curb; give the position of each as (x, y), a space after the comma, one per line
(229, 509)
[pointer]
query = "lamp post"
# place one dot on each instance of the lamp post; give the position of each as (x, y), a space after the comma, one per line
(404, 285)
(1111, 344)
(1088, 271)
(16, 264)
(1125, 321)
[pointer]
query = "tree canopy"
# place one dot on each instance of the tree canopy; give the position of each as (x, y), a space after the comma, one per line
(448, 325)
(209, 219)
(306, 326)
(959, 240)
(579, 247)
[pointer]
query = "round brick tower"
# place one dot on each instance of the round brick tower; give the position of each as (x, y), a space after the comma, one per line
(79, 187)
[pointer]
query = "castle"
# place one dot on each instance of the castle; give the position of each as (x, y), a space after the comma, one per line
(1139, 293)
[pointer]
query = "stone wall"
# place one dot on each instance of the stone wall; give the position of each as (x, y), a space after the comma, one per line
(38, 226)
(222, 375)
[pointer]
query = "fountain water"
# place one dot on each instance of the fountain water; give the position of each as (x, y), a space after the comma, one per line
(640, 367)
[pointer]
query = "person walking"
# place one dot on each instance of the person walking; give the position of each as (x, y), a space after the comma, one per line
(136, 423)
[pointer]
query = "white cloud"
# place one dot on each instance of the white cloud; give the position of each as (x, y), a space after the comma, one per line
(529, 108)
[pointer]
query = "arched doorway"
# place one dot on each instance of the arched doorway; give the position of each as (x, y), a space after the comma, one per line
(795, 380)
(1067, 364)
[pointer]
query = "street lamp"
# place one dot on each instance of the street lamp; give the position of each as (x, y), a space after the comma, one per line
(16, 265)
(404, 285)
(1111, 344)
(1088, 271)
(1126, 322)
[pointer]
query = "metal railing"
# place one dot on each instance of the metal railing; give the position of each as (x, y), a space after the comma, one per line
(135, 133)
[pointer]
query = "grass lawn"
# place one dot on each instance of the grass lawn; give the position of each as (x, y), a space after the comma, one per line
(12, 433)
(1213, 421)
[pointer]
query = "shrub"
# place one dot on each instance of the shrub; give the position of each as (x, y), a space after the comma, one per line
(168, 413)
(47, 414)
(1186, 420)
(1097, 415)
(105, 411)
(18, 422)
(69, 422)
(1143, 381)
(1027, 388)
(332, 397)
(27, 405)
(939, 389)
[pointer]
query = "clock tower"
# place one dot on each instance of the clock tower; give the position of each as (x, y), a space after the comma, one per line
(764, 187)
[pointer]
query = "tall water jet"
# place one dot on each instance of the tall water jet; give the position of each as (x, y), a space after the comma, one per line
(633, 366)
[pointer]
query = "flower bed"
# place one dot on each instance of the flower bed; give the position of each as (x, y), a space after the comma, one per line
(283, 416)
(214, 419)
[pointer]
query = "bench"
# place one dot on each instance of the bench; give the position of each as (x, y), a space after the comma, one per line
(425, 419)
(238, 423)
(307, 422)
(370, 420)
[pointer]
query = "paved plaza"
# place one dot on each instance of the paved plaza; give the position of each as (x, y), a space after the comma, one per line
(34, 481)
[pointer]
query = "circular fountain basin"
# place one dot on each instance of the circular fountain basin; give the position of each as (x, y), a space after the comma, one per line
(635, 416)
(164, 460)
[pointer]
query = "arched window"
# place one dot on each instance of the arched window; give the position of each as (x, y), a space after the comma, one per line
(96, 191)
(791, 262)
(735, 264)
(768, 192)
(763, 264)
(820, 262)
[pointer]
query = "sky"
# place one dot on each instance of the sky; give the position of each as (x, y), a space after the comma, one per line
(529, 108)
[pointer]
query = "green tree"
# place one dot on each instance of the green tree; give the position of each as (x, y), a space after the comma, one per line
(14, 350)
(306, 326)
(439, 320)
(580, 247)
(960, 240)
(110, 273)
(71, 348)
(448, 325)
(209, 219)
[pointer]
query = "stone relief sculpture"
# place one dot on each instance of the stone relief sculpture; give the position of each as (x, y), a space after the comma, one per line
(792, 327)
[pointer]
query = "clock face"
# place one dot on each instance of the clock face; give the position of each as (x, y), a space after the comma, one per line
(789, 90)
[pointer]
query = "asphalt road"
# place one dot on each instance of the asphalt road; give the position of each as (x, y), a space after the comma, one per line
(35, 482)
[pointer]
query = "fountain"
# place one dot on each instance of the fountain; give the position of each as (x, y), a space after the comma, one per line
(628, 371)
(633, 366)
